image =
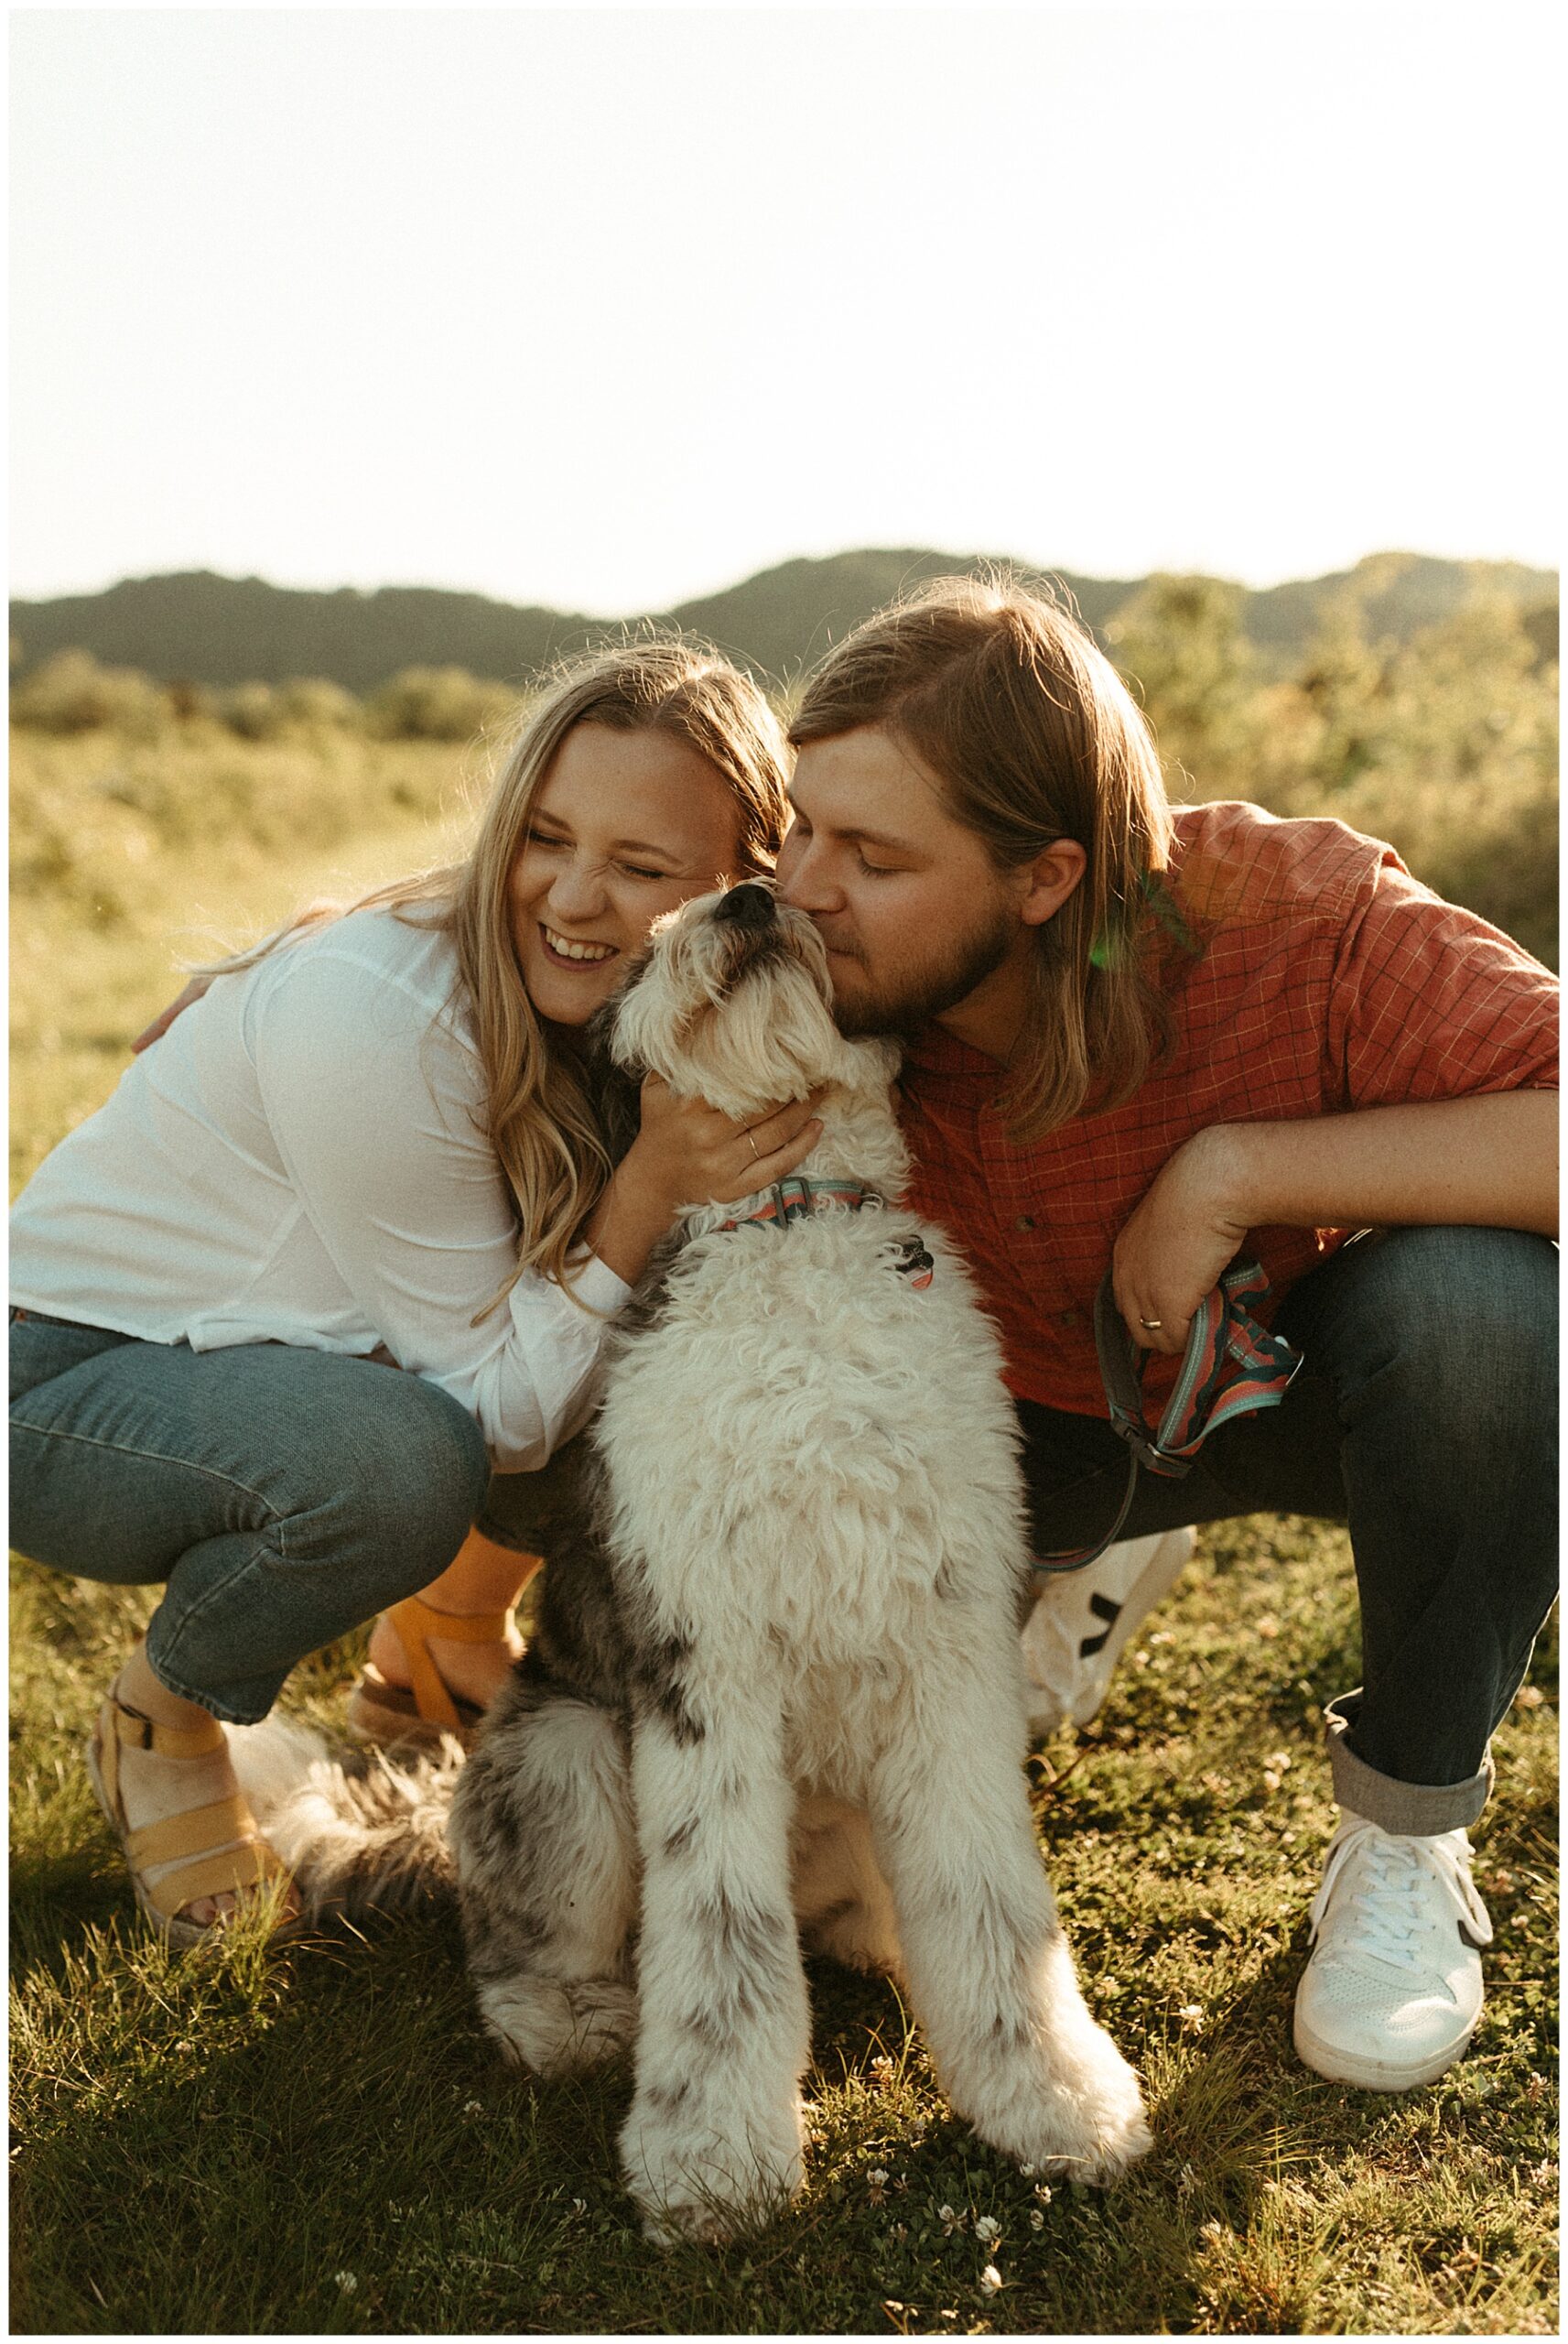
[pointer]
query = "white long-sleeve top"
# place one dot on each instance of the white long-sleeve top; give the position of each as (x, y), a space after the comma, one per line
(300, 1159)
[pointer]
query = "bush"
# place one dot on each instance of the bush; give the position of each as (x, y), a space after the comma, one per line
(438, 704)
(72, 693)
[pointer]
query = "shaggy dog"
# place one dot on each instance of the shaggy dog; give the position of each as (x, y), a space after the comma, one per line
(776, 1679)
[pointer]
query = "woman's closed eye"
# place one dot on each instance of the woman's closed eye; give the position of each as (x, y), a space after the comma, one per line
(551, 844)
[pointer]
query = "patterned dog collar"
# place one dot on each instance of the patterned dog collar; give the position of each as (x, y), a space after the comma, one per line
(797, 1200)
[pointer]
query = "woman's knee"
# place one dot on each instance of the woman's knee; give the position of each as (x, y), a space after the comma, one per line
(409, 1465)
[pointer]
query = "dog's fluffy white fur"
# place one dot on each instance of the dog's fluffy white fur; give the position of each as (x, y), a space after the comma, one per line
(813, 1520)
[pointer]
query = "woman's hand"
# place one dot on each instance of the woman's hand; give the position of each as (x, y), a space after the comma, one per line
(686, 1153)
(1178, 1245)
(166, 1017)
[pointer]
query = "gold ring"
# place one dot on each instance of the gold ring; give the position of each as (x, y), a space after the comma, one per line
(1152, 1324)
(752, 1145)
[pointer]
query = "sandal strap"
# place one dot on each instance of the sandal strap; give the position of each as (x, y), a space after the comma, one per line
(117, 1724)
(413, 1622)
(138, 1732)
(229, 1867)
(197, 1831)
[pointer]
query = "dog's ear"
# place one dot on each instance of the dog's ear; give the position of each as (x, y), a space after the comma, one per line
(619, 1099)
(616, 1090)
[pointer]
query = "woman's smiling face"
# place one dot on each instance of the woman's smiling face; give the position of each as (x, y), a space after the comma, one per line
(624, 827)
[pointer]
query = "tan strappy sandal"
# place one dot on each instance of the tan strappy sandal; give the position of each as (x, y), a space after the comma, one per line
(427, 1708)
(221, 1845)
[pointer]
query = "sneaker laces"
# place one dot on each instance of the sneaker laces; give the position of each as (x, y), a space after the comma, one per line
(1384, 1913)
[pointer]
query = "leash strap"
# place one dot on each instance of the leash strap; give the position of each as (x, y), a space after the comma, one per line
(1232, 1367)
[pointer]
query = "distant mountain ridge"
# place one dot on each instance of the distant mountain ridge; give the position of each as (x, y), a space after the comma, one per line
(202, 628)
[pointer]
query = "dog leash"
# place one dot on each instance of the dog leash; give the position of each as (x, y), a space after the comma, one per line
(1232, 1366)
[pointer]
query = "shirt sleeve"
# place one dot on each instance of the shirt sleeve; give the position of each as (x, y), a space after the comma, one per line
(372, 1106)
(1428, 1001)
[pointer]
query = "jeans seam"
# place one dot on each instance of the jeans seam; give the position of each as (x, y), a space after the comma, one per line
(192, 1611)
(151, 1457)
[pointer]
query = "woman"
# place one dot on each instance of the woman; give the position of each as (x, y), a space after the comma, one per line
(369, 1146)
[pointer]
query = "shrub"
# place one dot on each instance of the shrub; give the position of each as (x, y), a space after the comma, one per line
(72, 693)
(438, 704)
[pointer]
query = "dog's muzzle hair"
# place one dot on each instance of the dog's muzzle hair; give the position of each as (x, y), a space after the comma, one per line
(762, 965)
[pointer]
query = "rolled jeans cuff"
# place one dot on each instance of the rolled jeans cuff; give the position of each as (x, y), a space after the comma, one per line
(1411, 1810)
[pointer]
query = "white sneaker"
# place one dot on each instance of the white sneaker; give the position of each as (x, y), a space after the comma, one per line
(1082, 1619)
(1392, 1991)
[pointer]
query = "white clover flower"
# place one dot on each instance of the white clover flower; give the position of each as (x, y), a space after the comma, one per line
(1037, 2217)
(950, 2220)
(580, 2204)
(474, 2107)
(346, 2281)
(877, 2176)
(987, 2229)
(1191, 2017)
(990, 2280)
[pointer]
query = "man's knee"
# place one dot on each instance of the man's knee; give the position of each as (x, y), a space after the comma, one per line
(1458, 1325)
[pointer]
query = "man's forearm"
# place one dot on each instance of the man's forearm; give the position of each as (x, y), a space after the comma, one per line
(1489, 1162)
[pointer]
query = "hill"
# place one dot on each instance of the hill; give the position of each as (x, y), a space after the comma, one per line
(202, 628)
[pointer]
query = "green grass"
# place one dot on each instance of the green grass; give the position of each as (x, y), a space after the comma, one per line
(204, 2141)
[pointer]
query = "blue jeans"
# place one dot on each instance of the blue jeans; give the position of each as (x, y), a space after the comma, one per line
(283, 1496)
(1424, 1417)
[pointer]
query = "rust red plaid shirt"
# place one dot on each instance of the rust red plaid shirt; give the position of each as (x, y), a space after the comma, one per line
(1331, 980)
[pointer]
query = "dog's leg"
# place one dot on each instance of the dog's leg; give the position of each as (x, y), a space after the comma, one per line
(990, 1976)
(841, 1900)
(713, 2140)
(542, 1834)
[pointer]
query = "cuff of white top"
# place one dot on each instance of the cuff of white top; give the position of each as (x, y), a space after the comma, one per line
(593, 1282)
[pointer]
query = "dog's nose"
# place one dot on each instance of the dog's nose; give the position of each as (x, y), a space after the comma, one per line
(749, 906)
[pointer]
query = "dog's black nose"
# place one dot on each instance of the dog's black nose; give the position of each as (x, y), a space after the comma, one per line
(748, 905)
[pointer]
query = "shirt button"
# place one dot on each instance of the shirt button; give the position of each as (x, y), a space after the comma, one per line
(1023, 1222)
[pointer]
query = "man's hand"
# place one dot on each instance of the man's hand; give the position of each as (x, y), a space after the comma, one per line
(1176, 1247)
(166, 1017)
(1489, 1161)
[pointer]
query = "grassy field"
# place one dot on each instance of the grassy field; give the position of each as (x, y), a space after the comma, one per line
(319, 2140)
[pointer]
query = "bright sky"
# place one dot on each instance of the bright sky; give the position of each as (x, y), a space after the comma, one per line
(608, 308)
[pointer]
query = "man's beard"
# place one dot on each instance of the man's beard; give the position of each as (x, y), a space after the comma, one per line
(966, 961)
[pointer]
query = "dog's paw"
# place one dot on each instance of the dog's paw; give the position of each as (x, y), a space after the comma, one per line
(554, 2029)
(1082, 2120)
(694, 2181)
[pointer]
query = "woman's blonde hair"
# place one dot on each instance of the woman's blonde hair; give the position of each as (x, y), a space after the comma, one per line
(1035, 738)
(540, 1115)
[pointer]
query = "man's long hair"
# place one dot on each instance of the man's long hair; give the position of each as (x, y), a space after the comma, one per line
(1033, 738)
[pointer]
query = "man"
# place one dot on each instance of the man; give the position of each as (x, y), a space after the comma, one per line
(1151, 1039)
